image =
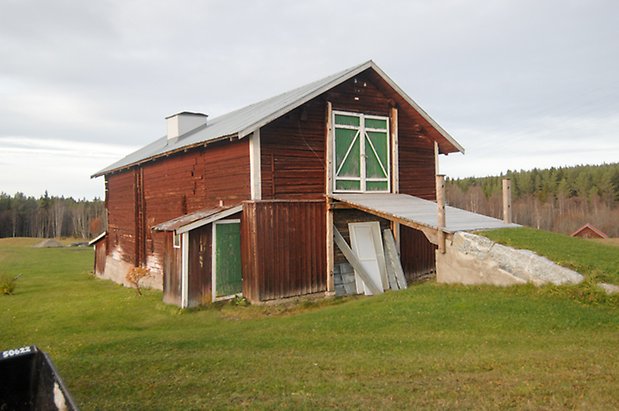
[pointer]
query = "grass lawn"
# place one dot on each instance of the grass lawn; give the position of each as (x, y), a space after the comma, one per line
(597, 260)
(428, 347)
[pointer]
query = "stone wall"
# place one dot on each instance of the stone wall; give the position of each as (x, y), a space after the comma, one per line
(473, 259)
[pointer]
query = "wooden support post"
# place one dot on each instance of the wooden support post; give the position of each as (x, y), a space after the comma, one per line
(330, 248)
(329, 201)
(436, 153)
(395, 166)
(440, 203)
(395, 162)
(507, 201)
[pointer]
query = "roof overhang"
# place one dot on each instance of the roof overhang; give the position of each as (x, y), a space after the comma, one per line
(191, 221)
(97, 238)
(418, 213)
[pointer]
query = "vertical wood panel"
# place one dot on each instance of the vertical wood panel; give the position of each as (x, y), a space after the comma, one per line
(417, 254)
(200, 253)
(285, 241)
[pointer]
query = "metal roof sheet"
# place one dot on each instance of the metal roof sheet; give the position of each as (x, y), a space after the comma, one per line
(421, 212)
(244, 121)
(198, 218)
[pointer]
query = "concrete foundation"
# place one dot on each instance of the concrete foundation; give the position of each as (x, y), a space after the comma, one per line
(472, 259)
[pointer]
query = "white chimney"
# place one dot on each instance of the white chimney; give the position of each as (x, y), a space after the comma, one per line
(181, 123)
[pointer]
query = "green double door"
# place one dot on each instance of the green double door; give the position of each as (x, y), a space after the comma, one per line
(227, 258)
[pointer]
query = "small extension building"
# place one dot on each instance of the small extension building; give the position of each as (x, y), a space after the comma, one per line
(269, 201)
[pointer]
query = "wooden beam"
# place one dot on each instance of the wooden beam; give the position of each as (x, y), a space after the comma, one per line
(395, 168)
(440, 203)
(255, 175)
(507, 201)
(329, 202)
(354, 261)
(393, 260)
(329, 150)
(340, 206)
(436, 153)
(330, 248)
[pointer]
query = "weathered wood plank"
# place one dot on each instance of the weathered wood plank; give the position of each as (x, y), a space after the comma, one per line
(393, 260)
(356, 264)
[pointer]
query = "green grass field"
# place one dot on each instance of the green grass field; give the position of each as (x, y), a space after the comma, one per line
(428, 347)
(597, 260)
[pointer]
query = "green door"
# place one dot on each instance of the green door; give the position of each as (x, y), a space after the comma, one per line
(227, 258)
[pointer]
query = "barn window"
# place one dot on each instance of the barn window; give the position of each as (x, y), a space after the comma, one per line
(177, 241)
(361, 152)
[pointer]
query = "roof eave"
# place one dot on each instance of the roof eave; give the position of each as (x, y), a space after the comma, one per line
(164, 154)
(416, 106)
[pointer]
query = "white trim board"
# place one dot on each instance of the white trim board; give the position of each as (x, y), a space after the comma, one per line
(255, 166)
(185, 270)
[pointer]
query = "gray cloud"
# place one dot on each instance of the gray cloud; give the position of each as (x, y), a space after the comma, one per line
(109, 71)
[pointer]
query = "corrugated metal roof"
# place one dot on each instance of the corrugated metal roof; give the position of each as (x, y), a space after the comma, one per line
(420, 212)
(198, 218)
(242, 122)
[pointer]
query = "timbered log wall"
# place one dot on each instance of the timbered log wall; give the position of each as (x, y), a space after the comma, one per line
(158, 191)
(121, 216)
(292, 154)
(293, 146)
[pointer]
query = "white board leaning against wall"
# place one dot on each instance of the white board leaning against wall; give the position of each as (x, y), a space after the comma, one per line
(367, 244)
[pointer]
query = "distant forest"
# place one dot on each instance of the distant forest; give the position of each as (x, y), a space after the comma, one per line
(556, 199)
(25, 216)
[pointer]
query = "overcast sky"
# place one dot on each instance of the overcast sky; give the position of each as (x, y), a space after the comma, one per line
(520, 84)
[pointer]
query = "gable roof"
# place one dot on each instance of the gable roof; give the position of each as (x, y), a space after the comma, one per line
(600, 233)
(242, 122)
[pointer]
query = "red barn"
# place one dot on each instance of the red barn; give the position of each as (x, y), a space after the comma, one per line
(250, 202)
(589, 231)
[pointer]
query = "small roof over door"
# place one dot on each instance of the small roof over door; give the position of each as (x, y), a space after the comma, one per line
(191, 221)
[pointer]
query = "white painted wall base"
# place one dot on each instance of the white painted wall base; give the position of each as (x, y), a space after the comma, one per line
(116, 270)
(472, 259)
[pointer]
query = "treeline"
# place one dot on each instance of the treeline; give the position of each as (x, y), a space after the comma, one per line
(557, 199)
(26, 216)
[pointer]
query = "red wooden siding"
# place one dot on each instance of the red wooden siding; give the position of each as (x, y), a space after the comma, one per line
(293, 146)
(283, 249)
(292, 154)
(416, 162)
(200, 267)
(164, 189)
(417, 254)
(121, 215)
(171, 268)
